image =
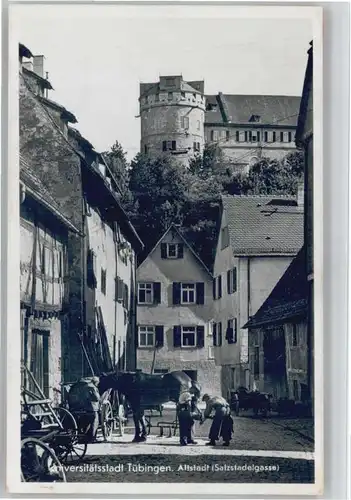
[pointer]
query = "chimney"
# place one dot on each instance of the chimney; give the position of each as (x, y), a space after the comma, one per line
(301, 193)
(28, 65)
(38, 65)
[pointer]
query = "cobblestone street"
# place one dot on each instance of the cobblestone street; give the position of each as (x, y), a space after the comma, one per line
(261, 451)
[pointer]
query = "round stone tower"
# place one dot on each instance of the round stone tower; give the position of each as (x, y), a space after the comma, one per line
(172, 114)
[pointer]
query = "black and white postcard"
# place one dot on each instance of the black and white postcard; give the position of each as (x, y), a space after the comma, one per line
(165, 170)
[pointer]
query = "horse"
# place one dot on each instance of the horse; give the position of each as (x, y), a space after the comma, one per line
(143, 390)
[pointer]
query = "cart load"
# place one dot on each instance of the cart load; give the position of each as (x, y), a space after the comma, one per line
(84, 395)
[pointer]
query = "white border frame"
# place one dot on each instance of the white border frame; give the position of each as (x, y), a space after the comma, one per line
(12, 247)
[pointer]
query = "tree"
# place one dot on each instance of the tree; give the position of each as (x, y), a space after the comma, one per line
(116, 159)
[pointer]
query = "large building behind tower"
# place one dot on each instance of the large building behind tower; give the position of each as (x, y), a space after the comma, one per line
(177, 118)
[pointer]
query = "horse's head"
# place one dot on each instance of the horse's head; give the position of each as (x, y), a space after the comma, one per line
(119, 381)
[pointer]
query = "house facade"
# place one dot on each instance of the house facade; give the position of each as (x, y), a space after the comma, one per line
(259, 236)
(278, 337)
(249, 127)
(100, 317)
(175, 309)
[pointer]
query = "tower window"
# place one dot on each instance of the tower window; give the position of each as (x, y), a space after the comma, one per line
(169, 146)
(169, 82)
(185, 122)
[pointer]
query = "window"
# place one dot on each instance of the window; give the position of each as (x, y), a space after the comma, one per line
(146, 336)
(185, 122)
(214, 135)
(170, 96)
(157, 97)
(189, 336)
(289, 136)
(172, 250)
(149, 293)
(182, 95)
(237, 136)
(219, 287)
(188, 293)
(224, 237)
(39, 364)
(227, 135)
(145, 293)
(219, 334)
(196, 146)
(294, 341)
(270, 136)
(223, 134)
(231, 281)
(169, 82)
(169, 146)
(254, 136)
(145, 149)
(103, 281)
(242, 136)
(231, 333)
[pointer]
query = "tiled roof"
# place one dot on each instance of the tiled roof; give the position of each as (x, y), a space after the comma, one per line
(264, 225)
(41, 193)
(239, 109)
(288, 299)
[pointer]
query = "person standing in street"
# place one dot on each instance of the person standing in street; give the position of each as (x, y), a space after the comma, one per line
(185, 419)
(222, 424)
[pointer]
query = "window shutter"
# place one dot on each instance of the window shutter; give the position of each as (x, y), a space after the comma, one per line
(214, 333)
(120, 290)
(235, 332)
(174, 145)
(200, 293)
(234, 286)
(219, 334)
(163, 250)
(229, 333)
(200, 334)
(91, 277)
(159, 337)
(177, 336)
(180, 250)
(157, 293)
(219, 286)
(212, 135)
(214, 282)
(176, 293)
(228, 282)
(164, 146)
(125, 296)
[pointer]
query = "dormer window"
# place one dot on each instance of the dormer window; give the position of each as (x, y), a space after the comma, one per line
(169, 82)
(255, 119)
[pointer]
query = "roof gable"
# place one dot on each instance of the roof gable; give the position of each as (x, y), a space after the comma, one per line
(175, 229)
(288, 299)
(263, 225)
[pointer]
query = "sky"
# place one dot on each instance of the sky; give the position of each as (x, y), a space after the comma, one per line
(96, 56)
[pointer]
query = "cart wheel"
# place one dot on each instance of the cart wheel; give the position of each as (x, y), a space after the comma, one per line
(107, 420)
(39, 463)
(68, 447)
